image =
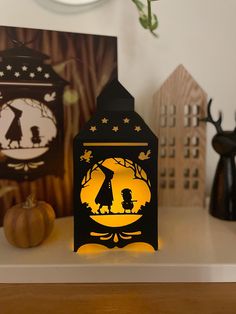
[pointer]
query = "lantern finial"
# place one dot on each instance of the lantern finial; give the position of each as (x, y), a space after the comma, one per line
(115, 97)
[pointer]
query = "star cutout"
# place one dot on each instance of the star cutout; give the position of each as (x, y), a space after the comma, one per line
(17, 74)
(39, 69)
(115, 128)
(46, 75)
(9, 67)
(32, 74)
(137, 128)
(1, 73)
(105, 120)
(93, 128)
(126, 120)
(24, 68)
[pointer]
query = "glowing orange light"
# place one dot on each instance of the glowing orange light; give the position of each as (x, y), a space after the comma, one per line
(123, 178)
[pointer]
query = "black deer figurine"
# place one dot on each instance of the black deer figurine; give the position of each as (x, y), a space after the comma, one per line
(223, 193)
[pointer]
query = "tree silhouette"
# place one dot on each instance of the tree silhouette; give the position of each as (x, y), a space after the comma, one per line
(88, 175)
(139, 173)
(44, 110)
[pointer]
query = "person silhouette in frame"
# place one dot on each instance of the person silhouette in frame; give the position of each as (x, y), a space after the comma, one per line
(14, 132)
(36, 138)
(127, 203)
(105, 194)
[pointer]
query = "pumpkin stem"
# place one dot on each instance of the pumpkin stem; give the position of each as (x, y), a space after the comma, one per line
(30, 201)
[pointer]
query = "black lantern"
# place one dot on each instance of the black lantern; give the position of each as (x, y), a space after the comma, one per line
(31, 115)
(115, 175)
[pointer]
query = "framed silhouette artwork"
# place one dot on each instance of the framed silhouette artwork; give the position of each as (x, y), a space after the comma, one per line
(49, 82)
(31, 115)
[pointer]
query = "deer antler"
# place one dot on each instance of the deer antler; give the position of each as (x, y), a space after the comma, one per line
(216, 123)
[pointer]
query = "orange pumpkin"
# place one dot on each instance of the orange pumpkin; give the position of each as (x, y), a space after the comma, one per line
(28, 224)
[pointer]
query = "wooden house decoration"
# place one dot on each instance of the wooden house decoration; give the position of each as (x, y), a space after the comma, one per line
(115, 175)
(178, 105)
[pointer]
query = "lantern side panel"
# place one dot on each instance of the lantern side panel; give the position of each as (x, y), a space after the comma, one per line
(115, 182)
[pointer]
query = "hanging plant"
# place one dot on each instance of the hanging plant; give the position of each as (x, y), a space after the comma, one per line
(147, 18)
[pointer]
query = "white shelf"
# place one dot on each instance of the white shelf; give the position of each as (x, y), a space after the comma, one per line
(194, 247)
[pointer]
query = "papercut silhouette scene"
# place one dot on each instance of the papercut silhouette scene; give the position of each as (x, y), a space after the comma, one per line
(26, 128)
(47, 94)
(108, 189)
(31, 114)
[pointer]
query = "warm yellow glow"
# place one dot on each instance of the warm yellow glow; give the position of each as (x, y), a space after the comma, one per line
(70, 96)
(115, 144)
(139, 247)
(123, 178)
(98, 249)
(115, 220)
(133, 247)
(92, 249)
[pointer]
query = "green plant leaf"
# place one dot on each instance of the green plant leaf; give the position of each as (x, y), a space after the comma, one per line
(147, 19)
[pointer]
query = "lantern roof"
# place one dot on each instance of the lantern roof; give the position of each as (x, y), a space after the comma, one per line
(114, 97)
(24, 53)
(22, 64)
(115, 118)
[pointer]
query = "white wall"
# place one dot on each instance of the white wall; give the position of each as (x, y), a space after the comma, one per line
(201, 34)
